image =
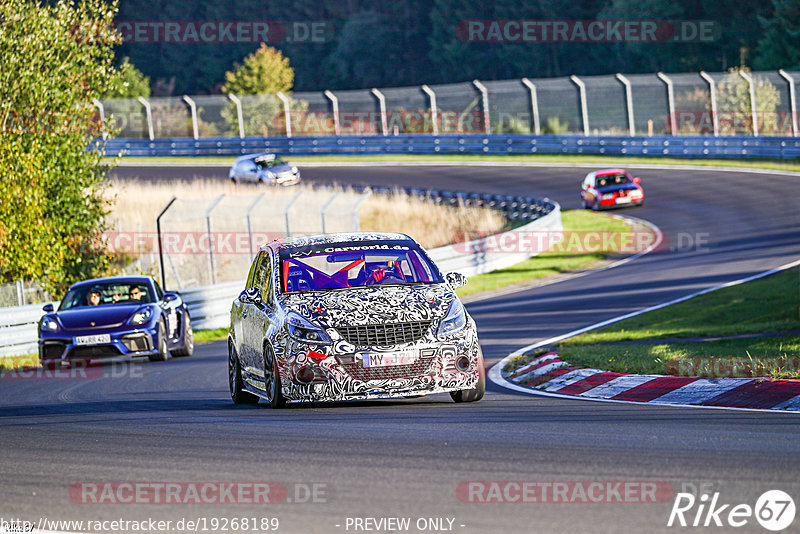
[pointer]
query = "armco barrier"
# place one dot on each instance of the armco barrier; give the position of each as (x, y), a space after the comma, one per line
(741, 146)
(210, 306)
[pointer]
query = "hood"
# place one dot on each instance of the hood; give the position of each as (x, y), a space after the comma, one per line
(617, 187)
(372, 305)
(108, 315)
(278, 169)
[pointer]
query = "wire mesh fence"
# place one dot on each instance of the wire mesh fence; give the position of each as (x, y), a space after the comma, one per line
(721, 103)
(213, 241)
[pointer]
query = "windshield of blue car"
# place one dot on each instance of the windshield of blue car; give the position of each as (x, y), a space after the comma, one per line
(339, 266)
(268, 163)
(106, 293)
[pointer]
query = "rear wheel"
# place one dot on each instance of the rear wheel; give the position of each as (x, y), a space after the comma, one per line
(235, 382)
(272, 379)
(188, 339)
(476, 393)
(163, 351)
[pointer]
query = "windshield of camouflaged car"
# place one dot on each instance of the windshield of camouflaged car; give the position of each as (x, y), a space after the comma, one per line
(337, 266)
(104, 293)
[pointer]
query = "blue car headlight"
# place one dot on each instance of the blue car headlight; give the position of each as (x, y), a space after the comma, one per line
(302, 330)
(141, 316)
(454, 321)
(49, 324)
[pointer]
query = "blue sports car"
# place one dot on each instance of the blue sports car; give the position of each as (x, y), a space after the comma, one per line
(115, 317)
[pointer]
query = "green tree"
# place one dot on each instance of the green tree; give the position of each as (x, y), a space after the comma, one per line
(56, 59)
(779, 48)
(264, 71)
(733, 102)
(129, 82)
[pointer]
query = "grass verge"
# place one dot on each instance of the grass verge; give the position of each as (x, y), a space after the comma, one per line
(670, 340)
(774, 164)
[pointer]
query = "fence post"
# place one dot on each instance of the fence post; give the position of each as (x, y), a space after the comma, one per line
(20, 293)
(792, 100)
(160, 244)
(286, 211)
(287, 112)
(712, 87)
(673, 120)
(335, 104)
(239, 116)
(485, 105)
(537, 129)
(628, 103)
(382, 107)
(193, 108)
(434, 112)
(584, 108)
(356, 220)
(149, 116)
(249, 227)
(325, 208)
(211, 267)
(102, 111)
(753, 105)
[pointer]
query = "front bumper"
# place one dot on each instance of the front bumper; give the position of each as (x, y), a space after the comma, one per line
(341, 375)
(124, 341)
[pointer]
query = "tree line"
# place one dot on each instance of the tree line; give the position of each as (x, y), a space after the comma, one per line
(350, 44)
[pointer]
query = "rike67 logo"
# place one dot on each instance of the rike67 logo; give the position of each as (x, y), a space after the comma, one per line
(774, 510)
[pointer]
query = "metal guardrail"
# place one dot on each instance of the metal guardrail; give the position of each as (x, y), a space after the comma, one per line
(210, 306)
(658, 145)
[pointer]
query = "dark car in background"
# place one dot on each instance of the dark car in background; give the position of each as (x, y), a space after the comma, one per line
(611, 188)
(264, 168)
(103, 318)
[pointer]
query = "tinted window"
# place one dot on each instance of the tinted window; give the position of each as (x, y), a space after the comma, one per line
(107, 293)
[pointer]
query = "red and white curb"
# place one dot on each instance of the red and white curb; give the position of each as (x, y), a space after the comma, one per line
(550, 376)
(556, 377)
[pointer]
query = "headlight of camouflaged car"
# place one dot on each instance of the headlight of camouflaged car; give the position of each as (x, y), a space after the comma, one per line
(302, 330)
(141, 317)
(455, 320)
(49, 324)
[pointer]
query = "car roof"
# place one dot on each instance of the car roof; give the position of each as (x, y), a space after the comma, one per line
(139, 279)
(259, 155)
(606, 172)
(344, 237)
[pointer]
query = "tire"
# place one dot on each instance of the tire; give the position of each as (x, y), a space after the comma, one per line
(163, 351)
(188, 340)
(475, 394)
(235, 382)
(272, 380)
(583, 204)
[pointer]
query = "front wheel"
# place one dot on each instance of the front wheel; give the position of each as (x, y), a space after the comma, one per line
(475, 394)
(163, 351)
(235, 382)
(188, 340)
(272, 380)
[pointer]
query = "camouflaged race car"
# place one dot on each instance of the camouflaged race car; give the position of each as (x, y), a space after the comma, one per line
(350, 316)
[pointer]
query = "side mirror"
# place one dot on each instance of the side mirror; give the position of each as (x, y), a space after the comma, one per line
(456, 280)
(169, 297)
(48, 308)
(637, 180)
(251, 295)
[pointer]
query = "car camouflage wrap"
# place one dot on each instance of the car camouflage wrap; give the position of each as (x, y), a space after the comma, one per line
(343, 343)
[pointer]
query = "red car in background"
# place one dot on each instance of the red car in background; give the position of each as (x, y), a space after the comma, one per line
(611, 188)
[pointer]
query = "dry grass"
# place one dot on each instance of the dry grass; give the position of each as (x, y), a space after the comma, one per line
(135, 206)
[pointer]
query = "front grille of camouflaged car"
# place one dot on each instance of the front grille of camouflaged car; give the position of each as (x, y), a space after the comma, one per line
(384, 335)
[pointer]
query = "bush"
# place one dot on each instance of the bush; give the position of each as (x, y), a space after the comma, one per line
(56, 59)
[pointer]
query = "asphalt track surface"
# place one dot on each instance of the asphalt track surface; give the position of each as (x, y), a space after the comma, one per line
(174, 422)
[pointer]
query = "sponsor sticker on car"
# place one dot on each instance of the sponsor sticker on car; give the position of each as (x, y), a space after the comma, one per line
(96, 339)
(388, 359)
(623, 200)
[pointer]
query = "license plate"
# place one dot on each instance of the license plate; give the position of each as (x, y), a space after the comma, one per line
(97, 339)
(623, 200)
(388, 359)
